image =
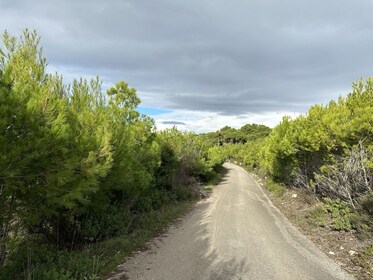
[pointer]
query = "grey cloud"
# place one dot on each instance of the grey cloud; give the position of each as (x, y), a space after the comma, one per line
(230, 57)
(173, 122)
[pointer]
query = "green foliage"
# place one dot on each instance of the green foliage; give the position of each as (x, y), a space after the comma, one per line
(279, 152)
(335, 214)
(56, 143)
(348, 177)
(340, 213)
(296, 151)
(103, 222)
(367, 204)
(229, 135)
(365, 259)
(78, 165)
(363, 220)
(242, 145)
(275, 188)
(34, 260)
(184, 164)
(328, 151)
(319, 216)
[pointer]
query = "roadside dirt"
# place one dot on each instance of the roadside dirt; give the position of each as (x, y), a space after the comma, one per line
(343, 246)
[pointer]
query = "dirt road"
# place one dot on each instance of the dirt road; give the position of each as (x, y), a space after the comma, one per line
(235, 234)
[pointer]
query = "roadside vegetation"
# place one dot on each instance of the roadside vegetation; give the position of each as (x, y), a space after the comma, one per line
(84, 177)
(324, 158)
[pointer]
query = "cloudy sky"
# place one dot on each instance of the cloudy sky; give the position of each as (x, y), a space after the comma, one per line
(202, 64)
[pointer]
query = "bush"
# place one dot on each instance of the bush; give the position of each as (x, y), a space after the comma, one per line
(34, 260)
(340, 213)
(365, 259)
(318, 215)
(363, 221)
(101, 223)
(348, 178)
(276, 189)
(367, 205)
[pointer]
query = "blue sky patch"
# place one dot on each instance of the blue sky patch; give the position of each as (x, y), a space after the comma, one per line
(152, 111)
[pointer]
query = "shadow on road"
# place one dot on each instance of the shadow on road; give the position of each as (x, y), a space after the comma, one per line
(209, 265)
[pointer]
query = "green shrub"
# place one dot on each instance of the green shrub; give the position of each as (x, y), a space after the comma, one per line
(340, 213)
(100, 223)
(183, 193)
(319, 216)
(275, 188)
(365, 259)
(34, 260)
(367, 205)
(363, 220)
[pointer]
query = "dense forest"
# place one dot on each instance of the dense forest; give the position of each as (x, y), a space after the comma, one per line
(80, 165)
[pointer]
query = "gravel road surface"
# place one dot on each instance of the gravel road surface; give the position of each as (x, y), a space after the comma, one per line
(235, 234)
